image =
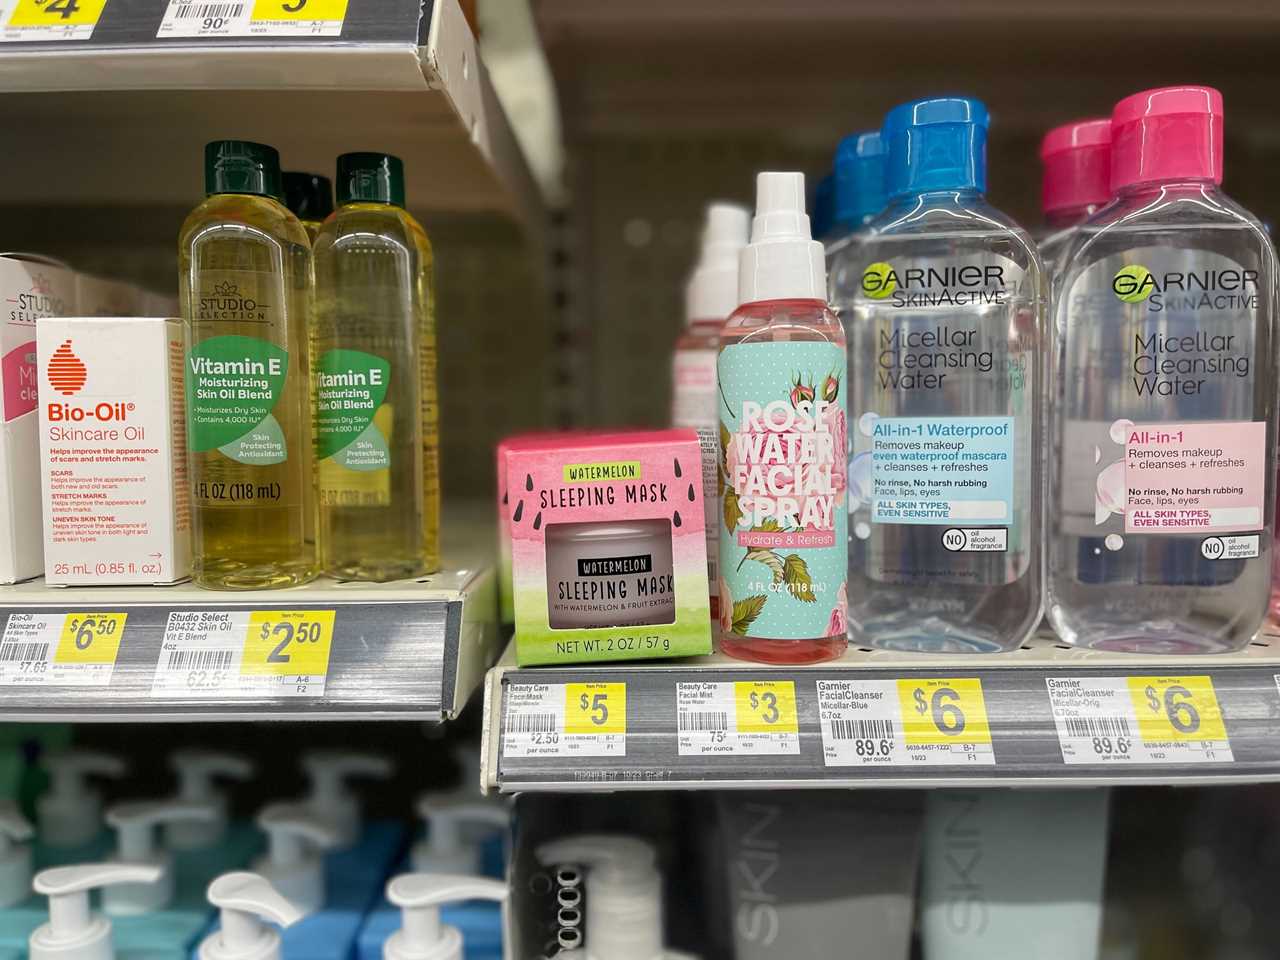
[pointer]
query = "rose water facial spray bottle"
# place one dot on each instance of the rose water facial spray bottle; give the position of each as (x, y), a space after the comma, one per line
(1162, 505)
(783, 445)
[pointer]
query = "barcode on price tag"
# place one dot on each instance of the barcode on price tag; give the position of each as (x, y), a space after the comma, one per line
(77, 649)
(746, 718)
(904, 722)
(266, 18)
(1138, 720)
(241, 653)
(565, 720)
(25, 20)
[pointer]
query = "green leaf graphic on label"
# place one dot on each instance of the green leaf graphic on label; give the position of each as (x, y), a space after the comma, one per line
(350, 387)
(367, 452)
(745, 612)
(261, 446)
(796, 572)
(233, 384)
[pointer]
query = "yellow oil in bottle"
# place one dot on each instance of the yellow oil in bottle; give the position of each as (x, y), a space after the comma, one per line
(374, 383)
(245, 276)
(309, 197)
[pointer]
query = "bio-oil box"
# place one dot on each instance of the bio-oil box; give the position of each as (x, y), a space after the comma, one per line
(32, 287)
(608, 553)
(98, 297)
(113, 451)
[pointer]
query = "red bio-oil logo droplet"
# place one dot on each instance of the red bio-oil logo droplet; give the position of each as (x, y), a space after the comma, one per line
(66, 371)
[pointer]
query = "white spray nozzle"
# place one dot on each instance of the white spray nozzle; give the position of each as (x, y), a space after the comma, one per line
(244, 900)
(73, 932)
(449, 847)
(197, 769)
(135, 825)
(70, 813)
(15, 854)
(293, 864)
(712, 291)
(782, 261)
(331, 796)
(419, 896)
(624, 893)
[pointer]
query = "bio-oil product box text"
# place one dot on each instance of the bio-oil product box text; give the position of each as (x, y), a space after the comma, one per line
(31, 288)
(609, 559)
(113, 451)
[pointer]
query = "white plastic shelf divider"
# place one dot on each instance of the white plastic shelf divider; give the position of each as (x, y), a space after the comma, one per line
(1025, 746)
(124, 116)
(408, 650)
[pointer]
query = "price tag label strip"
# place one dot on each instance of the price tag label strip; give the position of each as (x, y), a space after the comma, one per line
(76, 649)
(565, 720)
(742, 718)
(249, 18)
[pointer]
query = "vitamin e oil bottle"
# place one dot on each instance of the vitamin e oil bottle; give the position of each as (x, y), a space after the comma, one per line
(375, 380)
(245, 273)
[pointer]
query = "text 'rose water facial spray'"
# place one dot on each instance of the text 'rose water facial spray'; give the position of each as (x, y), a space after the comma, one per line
(783, 440)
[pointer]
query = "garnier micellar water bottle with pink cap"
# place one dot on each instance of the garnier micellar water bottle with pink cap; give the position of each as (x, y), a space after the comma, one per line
(946, 335)
(1162, 498)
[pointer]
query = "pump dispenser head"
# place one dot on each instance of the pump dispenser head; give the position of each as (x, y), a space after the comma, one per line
(135, 825)
(1077, 165)
(244, 900)
(73, 932)
(419, 896)
(782, 261)
(15, 854)
(449, 847)
(196, 770)
(293, 864)
(331, 798)
(936, 144)
(859, 179)
(624, 894)
(1172, 133)
(70, 814)
(712, 291)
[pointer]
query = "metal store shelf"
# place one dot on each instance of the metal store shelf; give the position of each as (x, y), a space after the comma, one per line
(403, 77)
(343, 651)
(880, 719)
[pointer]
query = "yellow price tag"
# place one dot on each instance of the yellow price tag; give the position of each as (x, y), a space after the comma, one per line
(90, 638)
(1176, 708)
(765, 706)
(56, 13)
(299, 10)
(282, 643)
(943, 711)
(595, 708)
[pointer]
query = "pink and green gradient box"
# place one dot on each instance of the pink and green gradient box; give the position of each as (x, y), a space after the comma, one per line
(608, 553)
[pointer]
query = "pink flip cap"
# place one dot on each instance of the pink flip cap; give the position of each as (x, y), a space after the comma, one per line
(1077, 165)
(1173, 133)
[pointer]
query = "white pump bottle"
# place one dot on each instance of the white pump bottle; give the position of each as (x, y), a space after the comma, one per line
(73, 931)
(135, 825)
(330, 797)
(294, 862)
(70, 814)
(244, 900)
(15, 855)
(449, 846)
(419, 896)
(196, 770)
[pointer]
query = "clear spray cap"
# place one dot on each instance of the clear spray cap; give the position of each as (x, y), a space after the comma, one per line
(244, 900)
(135, 825)
(70, 813)
(419, 896)
(73, 931)
(449, 847)
(782, 261)
(624, 893)
(294, 864)
(331, 797)
(15, 854)
(712, 291)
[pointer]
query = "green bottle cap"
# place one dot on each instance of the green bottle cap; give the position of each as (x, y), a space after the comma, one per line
(370, 178)
(238, 166)
(308, 195)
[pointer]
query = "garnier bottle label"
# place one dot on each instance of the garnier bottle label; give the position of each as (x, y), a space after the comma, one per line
(233, 384)
(1161, 430)
(783, 456)
(353, 428)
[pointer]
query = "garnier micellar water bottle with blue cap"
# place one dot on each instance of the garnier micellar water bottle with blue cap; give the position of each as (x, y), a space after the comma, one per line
(946, 402)
(1162, 499)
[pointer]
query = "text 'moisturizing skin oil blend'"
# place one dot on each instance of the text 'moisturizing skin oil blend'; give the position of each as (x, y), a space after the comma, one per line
(1162, 503)
(245, 277)
(782, 385)
(377, 420)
